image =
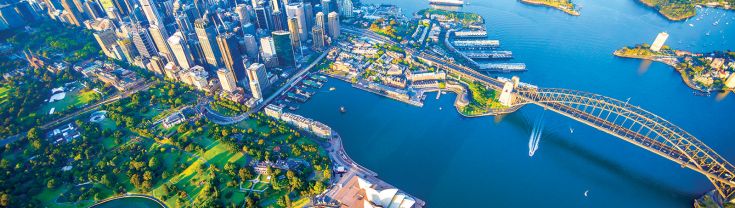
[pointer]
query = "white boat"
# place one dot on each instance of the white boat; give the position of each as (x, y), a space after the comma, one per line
(332, 88)
(586, 192)
(691, 25)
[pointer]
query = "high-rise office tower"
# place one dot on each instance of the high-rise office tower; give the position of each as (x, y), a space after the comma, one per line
(151, 13)
(242, 13)
(180, 50)
(93, 9)
(333, 25)
(346, 8)
(296, 10)
(74, 16)
(251, 46)
(279, 20)
(262, 17)
(293, 28)
(284, 49)
(231, 56)
(319, 20)
(308, 15)
(206, 35)
(257, 77)
(326, 6)
(159, 36)
(317, 34)
(266, 44)
(142, 41)
(227, 79)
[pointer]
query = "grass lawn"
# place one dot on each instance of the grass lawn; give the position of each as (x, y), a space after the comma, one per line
(72, 99)
(301, 202)
(108, 124)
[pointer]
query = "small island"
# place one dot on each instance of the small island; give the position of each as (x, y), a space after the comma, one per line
(563, 5)
(705, 72)
(676, 10)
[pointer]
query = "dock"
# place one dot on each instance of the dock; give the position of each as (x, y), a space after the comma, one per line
(476, 44)
(489, 54)
(471, 34)
(503, 67)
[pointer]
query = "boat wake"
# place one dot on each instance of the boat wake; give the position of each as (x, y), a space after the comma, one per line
(536, 132)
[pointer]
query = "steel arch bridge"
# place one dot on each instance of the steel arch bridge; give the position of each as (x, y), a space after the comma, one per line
(637, 126)
(615, 117)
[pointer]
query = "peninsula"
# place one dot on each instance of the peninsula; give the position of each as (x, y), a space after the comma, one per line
(680, 10)
(704, 72)
(563, 5)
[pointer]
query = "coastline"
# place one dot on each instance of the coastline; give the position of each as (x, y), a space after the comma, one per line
(683, 17)
(542, 3)
(687, 81)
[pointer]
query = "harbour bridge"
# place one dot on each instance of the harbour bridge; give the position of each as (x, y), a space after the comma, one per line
(620, 119)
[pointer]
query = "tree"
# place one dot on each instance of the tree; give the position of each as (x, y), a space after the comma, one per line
(244, 174)
(51, 184)
(153, 163)
(4, 199)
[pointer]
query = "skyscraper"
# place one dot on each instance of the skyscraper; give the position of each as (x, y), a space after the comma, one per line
(296, 10)
(333, 25)
(257, 77)
(279, 20)
(293, 25)
(231, 56)
(227, 79)
(142, 41)
(266, 44)
(263, 18)
(73, 13)
(159, 36)
(251, 46)
(326, 6)
(319, 20)
(206, 35)
(346, 8)
(180, 50)
(317, 34)
(151, 13)
(308, 15)
(242, 12)
(284, 49)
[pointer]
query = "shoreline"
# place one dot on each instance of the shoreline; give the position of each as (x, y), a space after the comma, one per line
(458, 102)
(681, 18)
(542, 3)
(687, 81)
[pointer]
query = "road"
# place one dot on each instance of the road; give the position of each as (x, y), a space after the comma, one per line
(87, 109)
(290, 83)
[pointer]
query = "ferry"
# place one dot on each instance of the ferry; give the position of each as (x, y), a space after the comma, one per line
(447, 2)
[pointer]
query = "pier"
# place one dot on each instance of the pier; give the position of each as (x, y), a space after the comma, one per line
(471, 34)
(503, 67)
(489, 54)
(476, 44)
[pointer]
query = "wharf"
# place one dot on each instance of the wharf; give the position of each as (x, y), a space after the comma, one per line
(489, 54)
(503, 67)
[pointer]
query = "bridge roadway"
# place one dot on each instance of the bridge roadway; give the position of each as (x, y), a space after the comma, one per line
(653, 133)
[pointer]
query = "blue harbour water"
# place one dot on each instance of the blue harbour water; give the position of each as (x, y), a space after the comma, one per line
(451, 161)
